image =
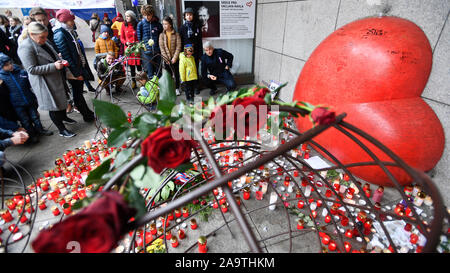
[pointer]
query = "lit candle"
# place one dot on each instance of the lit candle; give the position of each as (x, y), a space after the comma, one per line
(349, 233)
(55, 211)
(224, 208)
(300, 224)
(413, 238)
(418, 200)
(10, 204)
(347, 246)
(246, 193)
(181, 234)
(259, 195)
(193, 224)
(42, 204)
(185, 212)
(332, 246)
(327, 219)
(202, 248)
(300, 204)
(23, 219)
(177, 213)
(174, 242)
(6, 215)
(168, 235)
(67, 209)
(153, 229)
(326, 239)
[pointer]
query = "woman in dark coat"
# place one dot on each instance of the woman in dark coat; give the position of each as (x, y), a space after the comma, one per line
(70, 49)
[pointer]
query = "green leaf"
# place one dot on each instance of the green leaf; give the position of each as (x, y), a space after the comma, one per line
(171, 185)
(167, 87)
(138, 172)
(148, 122)
(110, 114)
(95, 176)
(166, 106)
(150, 180)
(223, 99)
(165, 192)
(184, 167)
(123, 157)
(119, 136)
(135, 200)
(81, 203)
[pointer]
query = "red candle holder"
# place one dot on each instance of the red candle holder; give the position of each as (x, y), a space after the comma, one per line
(300, 224)
(23, 219)
(347, 246)
(408, 227)
(181, 234)
(168, 235)
(413, 238)
(246, 194)
(224, 208)
(13, 228)
(193, 224)
(202, 248)
(174, 242)
(349, 233)
(185, 212)
(177, 213)
(55, 211)
(153, 229)
(11, 204)
(300, 204)
(327, 219)
(170, 216)
(6, 215)
(326, 239)
(332, 246)
(259, 195)
(344, 221)
(67, 209)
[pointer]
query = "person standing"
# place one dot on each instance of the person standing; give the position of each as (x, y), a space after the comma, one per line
(117, 25)
(128, 36)
(149, 29)
(170, 44)
(94, 25)
(39, 15)
(15, 29)
(188, 72)
(46, 74)
(191, 33)
(67, 44)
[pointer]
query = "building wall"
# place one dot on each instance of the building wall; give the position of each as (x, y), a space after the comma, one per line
(287, 32)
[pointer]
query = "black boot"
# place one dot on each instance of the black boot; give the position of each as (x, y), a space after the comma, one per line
(66, 133)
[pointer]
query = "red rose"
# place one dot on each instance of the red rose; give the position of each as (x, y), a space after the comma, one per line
(322, 116)
(163, 151)
(247, 111)
(95, 229)
(261, 93)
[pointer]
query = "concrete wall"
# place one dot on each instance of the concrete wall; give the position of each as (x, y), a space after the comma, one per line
(287, 32)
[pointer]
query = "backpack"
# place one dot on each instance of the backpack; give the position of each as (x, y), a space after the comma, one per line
(150, 93)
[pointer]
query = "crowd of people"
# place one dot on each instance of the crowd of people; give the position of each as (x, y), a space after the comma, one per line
(43, 65)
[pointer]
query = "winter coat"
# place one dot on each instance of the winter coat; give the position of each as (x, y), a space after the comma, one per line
(215, 64)
(129, 35)
(195, 39)
(94, 25)
(5, 140)
(65, 44)
(188, 70)
(6, 109)
(49, 84)
(15, 33)
(103, 69)
(103, 46)
(150, 30)
(175, 45)
(20, 93)
(116, 28)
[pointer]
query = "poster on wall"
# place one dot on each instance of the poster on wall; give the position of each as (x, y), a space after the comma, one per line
(225, 19)
(58, 4)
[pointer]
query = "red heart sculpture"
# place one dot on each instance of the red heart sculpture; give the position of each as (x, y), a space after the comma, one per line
(249, 4)
(375, 70)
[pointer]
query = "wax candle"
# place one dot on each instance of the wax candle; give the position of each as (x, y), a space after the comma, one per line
(174, 242)
(273, 200)
(193, 224)
(181, 234)
(246, 193)
(202, 248)
(6, 215)
(378, 194)
(300, 224)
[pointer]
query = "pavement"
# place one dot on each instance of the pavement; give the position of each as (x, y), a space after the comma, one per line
(276, 230)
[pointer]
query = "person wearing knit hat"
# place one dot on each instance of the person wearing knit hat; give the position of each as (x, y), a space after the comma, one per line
(66, 40)
(22, 97)
(128, 36)
(117, 25)
(104, 44)
(188, 72)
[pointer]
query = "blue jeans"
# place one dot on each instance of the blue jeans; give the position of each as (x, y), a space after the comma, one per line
(151, 63)
(225, 77)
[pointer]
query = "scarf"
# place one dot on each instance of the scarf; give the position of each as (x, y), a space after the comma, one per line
(190, 32)
(74, 35)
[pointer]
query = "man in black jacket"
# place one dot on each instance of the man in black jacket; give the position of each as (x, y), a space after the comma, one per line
(216, 64)
(110, 72)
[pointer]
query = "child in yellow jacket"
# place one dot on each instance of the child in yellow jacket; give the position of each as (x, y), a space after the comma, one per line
(104, 44)
(188, 72)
